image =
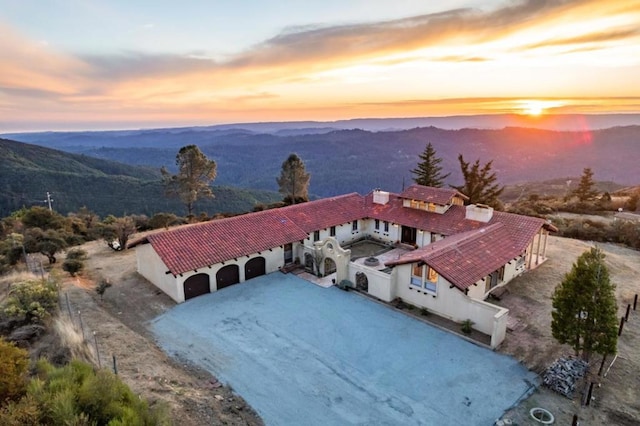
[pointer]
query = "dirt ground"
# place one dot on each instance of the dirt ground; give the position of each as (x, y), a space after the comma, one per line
(616, 401)
(120, 323)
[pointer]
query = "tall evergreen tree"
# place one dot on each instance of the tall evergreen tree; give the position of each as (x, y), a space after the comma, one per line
(194, 177)
(584, 307)
(479, 183)
(429, 171)
(294, 180)
(585, 190)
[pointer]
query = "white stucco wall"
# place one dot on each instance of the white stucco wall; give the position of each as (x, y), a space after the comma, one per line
(453, 304)
(379, 282)
(153, 269)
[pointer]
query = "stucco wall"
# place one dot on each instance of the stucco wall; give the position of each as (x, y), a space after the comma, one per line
(379, 282)
(453, 304)
(153, 269)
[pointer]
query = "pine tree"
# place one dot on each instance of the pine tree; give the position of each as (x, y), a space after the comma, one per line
(479, 183)
(585, 190)
(584, 307)
(194, 177)
(429, 171)
(294, 180)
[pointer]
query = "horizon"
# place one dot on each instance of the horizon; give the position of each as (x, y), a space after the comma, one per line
(121, 66)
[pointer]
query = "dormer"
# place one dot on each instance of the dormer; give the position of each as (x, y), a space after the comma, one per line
(435, 200)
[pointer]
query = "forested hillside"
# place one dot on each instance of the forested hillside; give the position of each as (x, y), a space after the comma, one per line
(28, 172)
(343, 161)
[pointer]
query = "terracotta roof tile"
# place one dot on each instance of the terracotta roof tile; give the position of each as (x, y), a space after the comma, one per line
(465, 258)
(428, 194)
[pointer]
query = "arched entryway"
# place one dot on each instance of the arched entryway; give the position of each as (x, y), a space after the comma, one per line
(228, 275)
(362, 282)
(329, 266)
(254, 268)
(196, 285)
(308, 262)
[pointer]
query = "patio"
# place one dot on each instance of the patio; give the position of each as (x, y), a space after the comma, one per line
(303, 354)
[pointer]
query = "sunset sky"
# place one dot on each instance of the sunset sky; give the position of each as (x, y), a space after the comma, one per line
(115, 64)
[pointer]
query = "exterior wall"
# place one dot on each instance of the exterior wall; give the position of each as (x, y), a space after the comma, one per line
(153, 269)
(379, 234)
(428, 207)
(379, 282)
(453, 304)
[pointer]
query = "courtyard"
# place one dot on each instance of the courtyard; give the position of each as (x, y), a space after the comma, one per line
(302, 354)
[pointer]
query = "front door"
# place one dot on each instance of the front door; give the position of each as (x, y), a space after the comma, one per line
(288, 253)
(408, 235)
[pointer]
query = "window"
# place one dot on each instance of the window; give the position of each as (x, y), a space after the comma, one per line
(377, 224)
(432, 207)
(332, 231)
(316, 235)
(354, 225)
(501, 273)
(417, 274)
(414, 204)
(433, 237)
(431, 283)
(386, 226)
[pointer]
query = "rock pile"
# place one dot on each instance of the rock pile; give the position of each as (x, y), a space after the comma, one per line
(564, 374)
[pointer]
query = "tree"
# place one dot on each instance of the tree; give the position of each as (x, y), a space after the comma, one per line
(47, 242)
(14, 363)
(584, 307)
(294, 180)
(585, 190)
(195, 174)
(429, 171)
(479, 183)
(116, 231)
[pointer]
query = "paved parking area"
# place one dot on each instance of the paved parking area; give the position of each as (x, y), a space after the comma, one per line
(302, 354)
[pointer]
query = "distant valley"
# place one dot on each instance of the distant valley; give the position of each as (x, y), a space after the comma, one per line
(356, 160)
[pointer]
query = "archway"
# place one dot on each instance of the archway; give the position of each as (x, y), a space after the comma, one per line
(308, 262)
(329, 266)
(254, 268)
(196, 285)
(362, 282)
(229, 275)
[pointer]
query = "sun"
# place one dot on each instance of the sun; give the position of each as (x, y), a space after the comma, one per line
(533, 108)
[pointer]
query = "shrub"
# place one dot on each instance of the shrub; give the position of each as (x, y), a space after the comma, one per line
(467, 326)
(31, 301)
(102, 287)
(13, 364)
(73, 266)
(76, 254)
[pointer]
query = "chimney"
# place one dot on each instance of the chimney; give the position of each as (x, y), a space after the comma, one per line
(479, 213)
(380, 197)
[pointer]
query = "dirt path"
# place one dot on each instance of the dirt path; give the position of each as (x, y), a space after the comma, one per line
(529, 300)
(120, 324)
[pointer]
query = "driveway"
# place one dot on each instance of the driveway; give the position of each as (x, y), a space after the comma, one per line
(302, 354)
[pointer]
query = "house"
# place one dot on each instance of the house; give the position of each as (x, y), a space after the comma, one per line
(441, 255)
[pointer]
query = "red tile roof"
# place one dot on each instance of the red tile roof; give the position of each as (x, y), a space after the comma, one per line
(196, 246)
(466, 258)
(428, 194)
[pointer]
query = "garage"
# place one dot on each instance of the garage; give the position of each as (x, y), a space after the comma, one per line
(229, 275)
(196, 285)
(254, 268)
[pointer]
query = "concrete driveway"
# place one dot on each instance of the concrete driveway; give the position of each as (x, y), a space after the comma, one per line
(300, 354)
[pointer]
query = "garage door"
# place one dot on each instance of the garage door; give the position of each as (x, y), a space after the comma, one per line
(196, 285)
(229, 275)
(254, 268)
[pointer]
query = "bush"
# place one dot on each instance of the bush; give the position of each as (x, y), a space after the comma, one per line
(73, 266)
(13, 365)
(467, 326)
(31, 301)
(76, 254)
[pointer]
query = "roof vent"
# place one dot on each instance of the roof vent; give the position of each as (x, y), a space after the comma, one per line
(479, 212)
(380, 197)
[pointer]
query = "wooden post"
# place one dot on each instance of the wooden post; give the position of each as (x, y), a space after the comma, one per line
(575, 422)
(621, 326)
(604, 358)
(626, 316)
(115, 366)
(95, 339)
(635, 302)
(66, 295)
(590, 393)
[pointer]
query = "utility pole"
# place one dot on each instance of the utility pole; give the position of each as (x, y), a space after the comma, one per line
(49, 200)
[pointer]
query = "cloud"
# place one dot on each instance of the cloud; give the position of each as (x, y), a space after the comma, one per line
(589, 39)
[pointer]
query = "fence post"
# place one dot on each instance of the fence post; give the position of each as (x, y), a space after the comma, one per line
(95, 339)
(115, 366)
(81, 325)
(621, 326)
(635, 302)
(604, 358)
(626, 316)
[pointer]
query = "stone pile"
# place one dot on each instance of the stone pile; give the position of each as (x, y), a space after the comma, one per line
(564, 374)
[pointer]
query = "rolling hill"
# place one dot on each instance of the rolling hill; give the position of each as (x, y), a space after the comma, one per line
(28, 172)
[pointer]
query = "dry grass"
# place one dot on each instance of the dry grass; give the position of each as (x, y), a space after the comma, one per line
(71, 337)
(6, 281)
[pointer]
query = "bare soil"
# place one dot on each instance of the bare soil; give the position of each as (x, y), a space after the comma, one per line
(616, 397)
(121, 322)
